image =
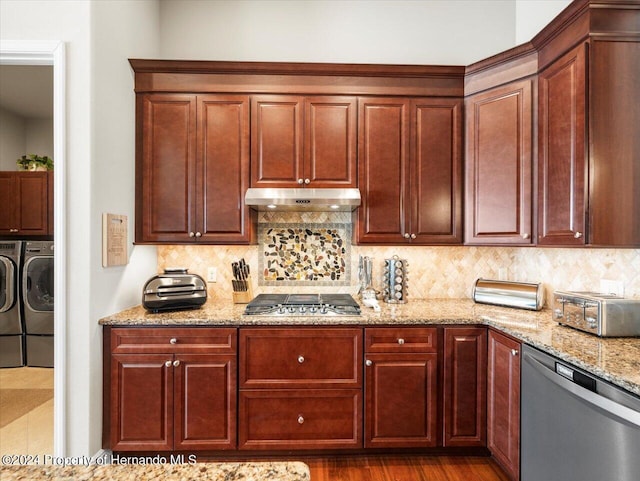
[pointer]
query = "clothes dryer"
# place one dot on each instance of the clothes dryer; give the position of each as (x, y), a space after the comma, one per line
(11, 326)
(38, 302)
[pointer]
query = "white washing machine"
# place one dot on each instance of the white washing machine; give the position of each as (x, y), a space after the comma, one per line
(11, 326)
(38, 302)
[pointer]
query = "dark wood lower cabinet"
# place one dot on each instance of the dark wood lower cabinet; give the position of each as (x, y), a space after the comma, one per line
(300, 419)
(503, 402)
(170, 389)
(142, 402)
(464, 390)
(401, 400)
(205, 402)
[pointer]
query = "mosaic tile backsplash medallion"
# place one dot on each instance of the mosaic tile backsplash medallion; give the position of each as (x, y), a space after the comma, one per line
(434, 272)
(304, 254)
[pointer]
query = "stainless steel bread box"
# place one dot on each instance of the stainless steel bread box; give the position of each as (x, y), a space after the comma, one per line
(175, 289)
(604, 315)
(521, 295)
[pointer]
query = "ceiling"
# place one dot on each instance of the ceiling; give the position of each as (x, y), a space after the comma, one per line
(27, 90)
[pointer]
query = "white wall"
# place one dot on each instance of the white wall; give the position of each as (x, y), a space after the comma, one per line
(533, 15)
(351, 31)
(121, 29)
(12, 139)
(39, 137)
(99, 37)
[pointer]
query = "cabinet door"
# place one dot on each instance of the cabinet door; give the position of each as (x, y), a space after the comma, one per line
(222, 169)
(330, 142)
(9, 204)
(499, 165)
(561, 151)
(465, 371)
(33, 200)
(436, 171)
(503, 401)
(401, 406)
(205, 402)
(165, 170)
(141, 402)
(24, 203)
(383, 150)
(276, 141)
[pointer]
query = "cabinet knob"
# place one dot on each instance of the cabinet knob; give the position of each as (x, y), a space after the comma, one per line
(406, 235)
(514, 352)
(577, 235)
(525, 235)
(401, 341)
(300, 181)
(300, 419)
(413, 236)
(192, 234)
(300, 359)
(176, 363)
(198, 234)
(167, 363)
(368, 363)
(173, 340)
(307, 181)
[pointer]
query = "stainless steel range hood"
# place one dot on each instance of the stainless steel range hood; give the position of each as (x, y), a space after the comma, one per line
(291, 199)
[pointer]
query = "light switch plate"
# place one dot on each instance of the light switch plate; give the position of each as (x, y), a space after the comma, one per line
(212, 274)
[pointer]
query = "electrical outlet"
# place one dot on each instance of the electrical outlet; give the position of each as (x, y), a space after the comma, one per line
(612, 287)
(212, 274)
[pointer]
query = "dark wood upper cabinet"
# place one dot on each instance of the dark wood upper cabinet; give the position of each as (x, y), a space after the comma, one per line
(499, 165)
(303, 141)
(193, 169)
(409, 166)
(589, 106)
(562, 150)
(26, 204)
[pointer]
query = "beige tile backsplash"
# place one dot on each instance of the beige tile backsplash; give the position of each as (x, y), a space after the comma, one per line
(434, 272)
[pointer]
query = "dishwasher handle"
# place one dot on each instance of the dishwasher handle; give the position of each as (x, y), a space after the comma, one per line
(609, 407)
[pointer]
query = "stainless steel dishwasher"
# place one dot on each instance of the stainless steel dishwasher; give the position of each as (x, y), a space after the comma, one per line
(575, 427)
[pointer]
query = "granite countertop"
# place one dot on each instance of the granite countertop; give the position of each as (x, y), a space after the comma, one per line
(616, 360)
(247, 471)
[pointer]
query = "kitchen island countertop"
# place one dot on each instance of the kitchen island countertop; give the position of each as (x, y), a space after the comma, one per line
(247, 471)
(616, 360)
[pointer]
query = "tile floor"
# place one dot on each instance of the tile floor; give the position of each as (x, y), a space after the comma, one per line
(31, 434)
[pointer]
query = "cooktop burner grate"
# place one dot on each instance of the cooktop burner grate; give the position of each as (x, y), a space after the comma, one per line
(303, 305)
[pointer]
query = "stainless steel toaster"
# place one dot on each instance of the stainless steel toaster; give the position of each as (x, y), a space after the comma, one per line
(175, 289)
(604, 315)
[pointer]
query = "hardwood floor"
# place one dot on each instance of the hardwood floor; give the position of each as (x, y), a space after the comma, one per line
(404, 468)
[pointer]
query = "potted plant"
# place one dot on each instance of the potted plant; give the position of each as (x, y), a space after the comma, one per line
(35, 162)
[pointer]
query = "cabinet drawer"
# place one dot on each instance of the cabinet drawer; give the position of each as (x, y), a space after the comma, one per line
(300, 419)
(401, 339)
(300, 357)
(194, 340)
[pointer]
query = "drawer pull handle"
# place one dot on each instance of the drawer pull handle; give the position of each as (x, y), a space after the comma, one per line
(401, 341)
(167, 363)
(176, 363)
(300, 359)
(368, 362)
(514, 352)
(173, 340)
(300, 419)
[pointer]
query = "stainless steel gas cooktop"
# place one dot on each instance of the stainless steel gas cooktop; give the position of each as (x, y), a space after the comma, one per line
(303, 305)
